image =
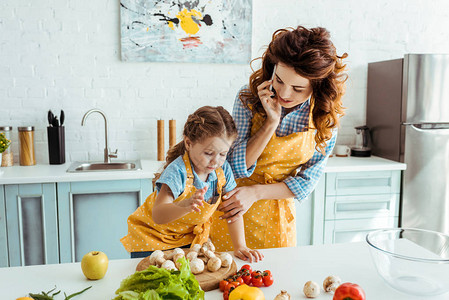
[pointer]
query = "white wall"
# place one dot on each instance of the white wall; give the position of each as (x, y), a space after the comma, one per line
(57, 54)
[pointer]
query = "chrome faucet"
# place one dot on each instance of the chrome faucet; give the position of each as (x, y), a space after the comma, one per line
(107, 154)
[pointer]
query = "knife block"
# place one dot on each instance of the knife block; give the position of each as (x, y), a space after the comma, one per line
(56, 145)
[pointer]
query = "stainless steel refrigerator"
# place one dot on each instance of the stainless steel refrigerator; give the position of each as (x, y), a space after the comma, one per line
(408, 114)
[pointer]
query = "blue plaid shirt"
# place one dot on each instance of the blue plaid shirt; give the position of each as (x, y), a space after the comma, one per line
(295, 121)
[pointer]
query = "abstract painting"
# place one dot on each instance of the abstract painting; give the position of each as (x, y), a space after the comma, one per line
(197, 31)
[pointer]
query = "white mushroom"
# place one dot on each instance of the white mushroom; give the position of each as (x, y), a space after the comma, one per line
(311, 289)
(331, 283)
(178, 255)
(192, 255)
(197, 266)
(210, 245)
(209, 254)
(175, 259)
(169, 265)
(160, 260)
(226, 259)
(168, 254)
(195, 248)
(214, 264)
(204, 259)
(154, 256)
(282, 296)
(204, 248)
(178, 251)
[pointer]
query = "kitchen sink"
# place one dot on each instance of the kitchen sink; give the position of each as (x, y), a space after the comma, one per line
(102, 166)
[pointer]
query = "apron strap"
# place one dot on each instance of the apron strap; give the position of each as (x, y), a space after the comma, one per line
(189, 169)
(221, 180)
(201, 232)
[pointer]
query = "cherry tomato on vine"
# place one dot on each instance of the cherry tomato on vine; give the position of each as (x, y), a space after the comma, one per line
(246, 278)
(256, 273)
(267, 278)
(223, 284)
(257, 280)
(239, 280)
(231, 286)
(226, 295)
(246, 267)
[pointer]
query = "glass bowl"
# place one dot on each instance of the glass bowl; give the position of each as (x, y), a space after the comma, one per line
(414, 261)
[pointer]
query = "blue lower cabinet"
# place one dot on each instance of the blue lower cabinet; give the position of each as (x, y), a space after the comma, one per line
(31, 225)
(92, 216)
(4, 257)
(353, 204)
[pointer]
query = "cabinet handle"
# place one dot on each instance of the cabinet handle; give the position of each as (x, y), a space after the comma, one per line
(349, 206)
(345, 183)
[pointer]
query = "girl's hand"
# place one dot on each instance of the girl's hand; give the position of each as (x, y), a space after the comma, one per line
(193, 203)
(237, 202)
(247, 254)
(272, 107)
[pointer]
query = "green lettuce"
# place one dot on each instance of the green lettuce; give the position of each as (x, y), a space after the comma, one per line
(156, 283)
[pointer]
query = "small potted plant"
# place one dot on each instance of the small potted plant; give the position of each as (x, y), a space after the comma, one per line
(4, 144)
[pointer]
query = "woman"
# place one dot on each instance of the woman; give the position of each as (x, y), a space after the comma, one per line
(287, 121)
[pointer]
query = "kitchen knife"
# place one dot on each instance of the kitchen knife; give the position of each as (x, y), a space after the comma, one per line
(61, 118)
(50, 117)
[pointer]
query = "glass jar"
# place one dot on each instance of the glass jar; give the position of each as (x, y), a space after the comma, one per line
(26, 149)
(7, 156)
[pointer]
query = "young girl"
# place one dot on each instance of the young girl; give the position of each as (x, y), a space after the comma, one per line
(189, 190)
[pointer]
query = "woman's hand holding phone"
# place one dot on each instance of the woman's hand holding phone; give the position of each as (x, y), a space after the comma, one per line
(266, 95)
(271, 82)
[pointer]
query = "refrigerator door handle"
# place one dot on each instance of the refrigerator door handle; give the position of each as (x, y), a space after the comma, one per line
(428, 126)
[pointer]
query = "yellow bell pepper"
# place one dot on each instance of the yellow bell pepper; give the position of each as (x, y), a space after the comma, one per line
(245, 292)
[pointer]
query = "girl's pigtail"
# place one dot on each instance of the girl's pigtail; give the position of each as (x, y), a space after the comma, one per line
(172, 154)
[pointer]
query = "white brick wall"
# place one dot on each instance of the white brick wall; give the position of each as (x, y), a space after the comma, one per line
(57, 54)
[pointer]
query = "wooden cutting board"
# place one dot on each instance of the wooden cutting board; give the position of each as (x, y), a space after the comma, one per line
(207, 280)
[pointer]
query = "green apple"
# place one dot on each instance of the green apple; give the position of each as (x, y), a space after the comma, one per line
(94, 265)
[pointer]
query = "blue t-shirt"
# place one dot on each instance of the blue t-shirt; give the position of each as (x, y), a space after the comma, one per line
(175, 176)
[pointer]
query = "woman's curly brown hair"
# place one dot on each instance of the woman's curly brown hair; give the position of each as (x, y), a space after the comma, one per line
(313, 56)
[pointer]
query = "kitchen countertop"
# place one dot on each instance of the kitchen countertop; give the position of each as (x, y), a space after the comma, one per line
(57, 173)
(291, 268)
(357, 164)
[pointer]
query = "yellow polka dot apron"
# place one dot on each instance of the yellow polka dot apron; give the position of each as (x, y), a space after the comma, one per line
(270, 223)
(193, 228)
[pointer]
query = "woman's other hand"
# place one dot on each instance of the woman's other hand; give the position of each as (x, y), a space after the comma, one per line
(193, 203)
(237, 202)
(272, 107)
(247, 254)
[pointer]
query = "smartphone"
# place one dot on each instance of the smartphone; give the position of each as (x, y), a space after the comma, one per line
(272, 78)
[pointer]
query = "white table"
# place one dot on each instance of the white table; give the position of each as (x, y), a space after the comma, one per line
(291, 268)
